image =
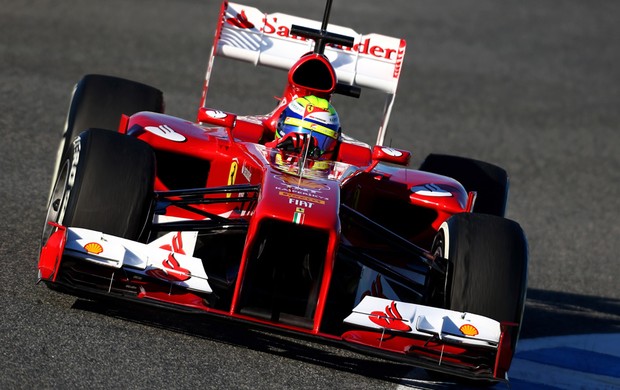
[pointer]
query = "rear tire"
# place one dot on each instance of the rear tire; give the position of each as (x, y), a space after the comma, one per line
(488, 180)
(98, 101)
(487, 272)
(104, 184)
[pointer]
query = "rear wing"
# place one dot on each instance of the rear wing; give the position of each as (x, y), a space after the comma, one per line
(247, 34)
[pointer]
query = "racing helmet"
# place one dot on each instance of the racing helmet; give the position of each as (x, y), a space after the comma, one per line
(313, 116)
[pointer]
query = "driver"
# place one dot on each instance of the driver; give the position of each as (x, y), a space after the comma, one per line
(310, 121)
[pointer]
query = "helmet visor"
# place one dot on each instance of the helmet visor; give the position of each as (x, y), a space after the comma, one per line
(326, 143)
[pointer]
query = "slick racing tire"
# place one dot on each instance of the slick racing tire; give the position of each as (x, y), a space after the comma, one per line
(104, 184)
(487, 266)
(98, 101)
(488, 180)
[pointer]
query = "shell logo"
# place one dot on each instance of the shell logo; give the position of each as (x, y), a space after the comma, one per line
(469, 330)
(93, 247)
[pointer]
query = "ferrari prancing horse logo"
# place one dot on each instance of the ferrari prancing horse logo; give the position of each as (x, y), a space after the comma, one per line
(232, 175)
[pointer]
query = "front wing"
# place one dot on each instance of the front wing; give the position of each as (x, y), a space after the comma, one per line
(462, 344)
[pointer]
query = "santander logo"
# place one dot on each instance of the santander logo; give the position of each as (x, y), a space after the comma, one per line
(390, 319)
(376, 289)
(240, 21)
(166, 132)
(272, 26)
(172, 270)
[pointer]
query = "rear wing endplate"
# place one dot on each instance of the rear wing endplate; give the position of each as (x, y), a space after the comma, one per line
(247, 34)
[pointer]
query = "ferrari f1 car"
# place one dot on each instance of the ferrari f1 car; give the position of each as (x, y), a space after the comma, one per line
(214, 216)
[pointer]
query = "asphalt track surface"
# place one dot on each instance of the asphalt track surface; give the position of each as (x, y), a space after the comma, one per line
(531, 86)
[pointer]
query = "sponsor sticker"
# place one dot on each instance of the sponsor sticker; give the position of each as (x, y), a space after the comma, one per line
(299, 216)
(281, 27)
(430, 190)
(469, 330)
(232, 175)
(246, 172)
(304, 198)
(392, 152)
(167, 132)
(94, 248)
(390, 318)
(216, 114)
(295, 182)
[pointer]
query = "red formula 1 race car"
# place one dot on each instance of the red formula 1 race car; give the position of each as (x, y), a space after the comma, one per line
(281, 219)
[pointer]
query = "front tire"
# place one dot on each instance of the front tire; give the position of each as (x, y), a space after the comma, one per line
(487, 268)
(104, 184)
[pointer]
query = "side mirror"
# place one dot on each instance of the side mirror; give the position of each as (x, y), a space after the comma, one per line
(391, 155)
(216, 117)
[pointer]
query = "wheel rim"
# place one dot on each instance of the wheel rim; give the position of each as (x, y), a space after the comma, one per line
(440, 295)
(57, 203)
